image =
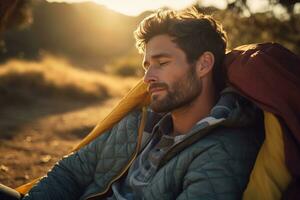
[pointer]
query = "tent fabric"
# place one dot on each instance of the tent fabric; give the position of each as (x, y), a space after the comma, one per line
(269, 75)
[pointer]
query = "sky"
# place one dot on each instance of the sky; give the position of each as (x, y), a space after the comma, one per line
(135, 7)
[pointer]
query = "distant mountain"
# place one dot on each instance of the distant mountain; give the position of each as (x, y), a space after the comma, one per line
(87, 33)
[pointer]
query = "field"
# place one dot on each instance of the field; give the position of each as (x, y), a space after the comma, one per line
(46, 107)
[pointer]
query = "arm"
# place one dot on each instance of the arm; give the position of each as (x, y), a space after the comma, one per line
(69, 177)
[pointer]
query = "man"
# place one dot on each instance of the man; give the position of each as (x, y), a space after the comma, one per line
(204, 143)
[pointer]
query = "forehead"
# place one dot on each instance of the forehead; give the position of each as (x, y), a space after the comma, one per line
(161, 45)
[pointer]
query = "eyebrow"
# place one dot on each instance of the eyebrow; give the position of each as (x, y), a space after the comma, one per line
(157, 56)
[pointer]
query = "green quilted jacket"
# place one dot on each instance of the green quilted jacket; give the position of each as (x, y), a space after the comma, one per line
(214, 162)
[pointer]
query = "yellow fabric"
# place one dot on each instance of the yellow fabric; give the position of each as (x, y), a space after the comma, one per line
(23, 189)
(136, 97)
(269, 177)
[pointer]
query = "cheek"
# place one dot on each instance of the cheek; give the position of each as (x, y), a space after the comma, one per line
(173, 72)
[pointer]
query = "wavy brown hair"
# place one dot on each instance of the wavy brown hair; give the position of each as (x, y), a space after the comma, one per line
(192, 31)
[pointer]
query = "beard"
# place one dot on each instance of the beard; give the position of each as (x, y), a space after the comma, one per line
(181, 93)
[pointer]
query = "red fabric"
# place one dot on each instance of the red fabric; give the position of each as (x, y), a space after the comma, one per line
(269, 75)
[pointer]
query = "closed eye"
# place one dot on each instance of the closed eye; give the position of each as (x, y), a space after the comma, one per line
(163, 63)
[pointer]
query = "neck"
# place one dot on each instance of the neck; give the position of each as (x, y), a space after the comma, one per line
(186, 117)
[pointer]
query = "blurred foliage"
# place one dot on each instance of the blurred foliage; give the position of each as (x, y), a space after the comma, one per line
(127, 65)
(242, 5)
(15, 14)
(258, 27)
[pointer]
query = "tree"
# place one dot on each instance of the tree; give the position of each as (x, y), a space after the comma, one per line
(14, 13)
(242, 5)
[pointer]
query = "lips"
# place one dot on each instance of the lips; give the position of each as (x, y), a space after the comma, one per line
(154, 90)
(157, 87)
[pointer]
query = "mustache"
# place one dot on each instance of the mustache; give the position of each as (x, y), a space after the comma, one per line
(157, 85)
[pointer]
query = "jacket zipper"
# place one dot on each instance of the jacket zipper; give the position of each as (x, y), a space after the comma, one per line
(140, 134)
(192, 138)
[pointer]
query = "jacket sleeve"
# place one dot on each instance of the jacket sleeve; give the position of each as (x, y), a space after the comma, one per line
(68, 178)
(216, 174)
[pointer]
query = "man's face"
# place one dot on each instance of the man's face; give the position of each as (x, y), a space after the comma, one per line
(172, 81)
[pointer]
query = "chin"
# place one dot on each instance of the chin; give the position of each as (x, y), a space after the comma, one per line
(159, 107)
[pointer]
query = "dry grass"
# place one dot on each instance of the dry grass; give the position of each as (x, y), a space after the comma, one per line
(22, 81)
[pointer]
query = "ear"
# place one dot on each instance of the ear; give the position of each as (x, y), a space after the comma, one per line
(205, 64)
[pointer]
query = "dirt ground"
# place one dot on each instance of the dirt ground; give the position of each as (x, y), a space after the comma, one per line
(34, 138)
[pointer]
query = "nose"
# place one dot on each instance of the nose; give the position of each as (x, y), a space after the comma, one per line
(149, 76)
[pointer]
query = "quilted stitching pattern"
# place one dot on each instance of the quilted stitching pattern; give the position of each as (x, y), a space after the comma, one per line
(216, 167)
(116, 152)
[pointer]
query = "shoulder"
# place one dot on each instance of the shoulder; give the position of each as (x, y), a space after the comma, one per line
(232, 148)
(223, 163)
(226, 145)
(127, 125)
(236, 141)
(232, 143)
(131, 119)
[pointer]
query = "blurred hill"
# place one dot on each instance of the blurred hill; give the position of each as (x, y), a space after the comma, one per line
(88, 34)
(93, 37)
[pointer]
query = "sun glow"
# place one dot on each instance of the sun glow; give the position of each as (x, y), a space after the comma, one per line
(136, 7)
